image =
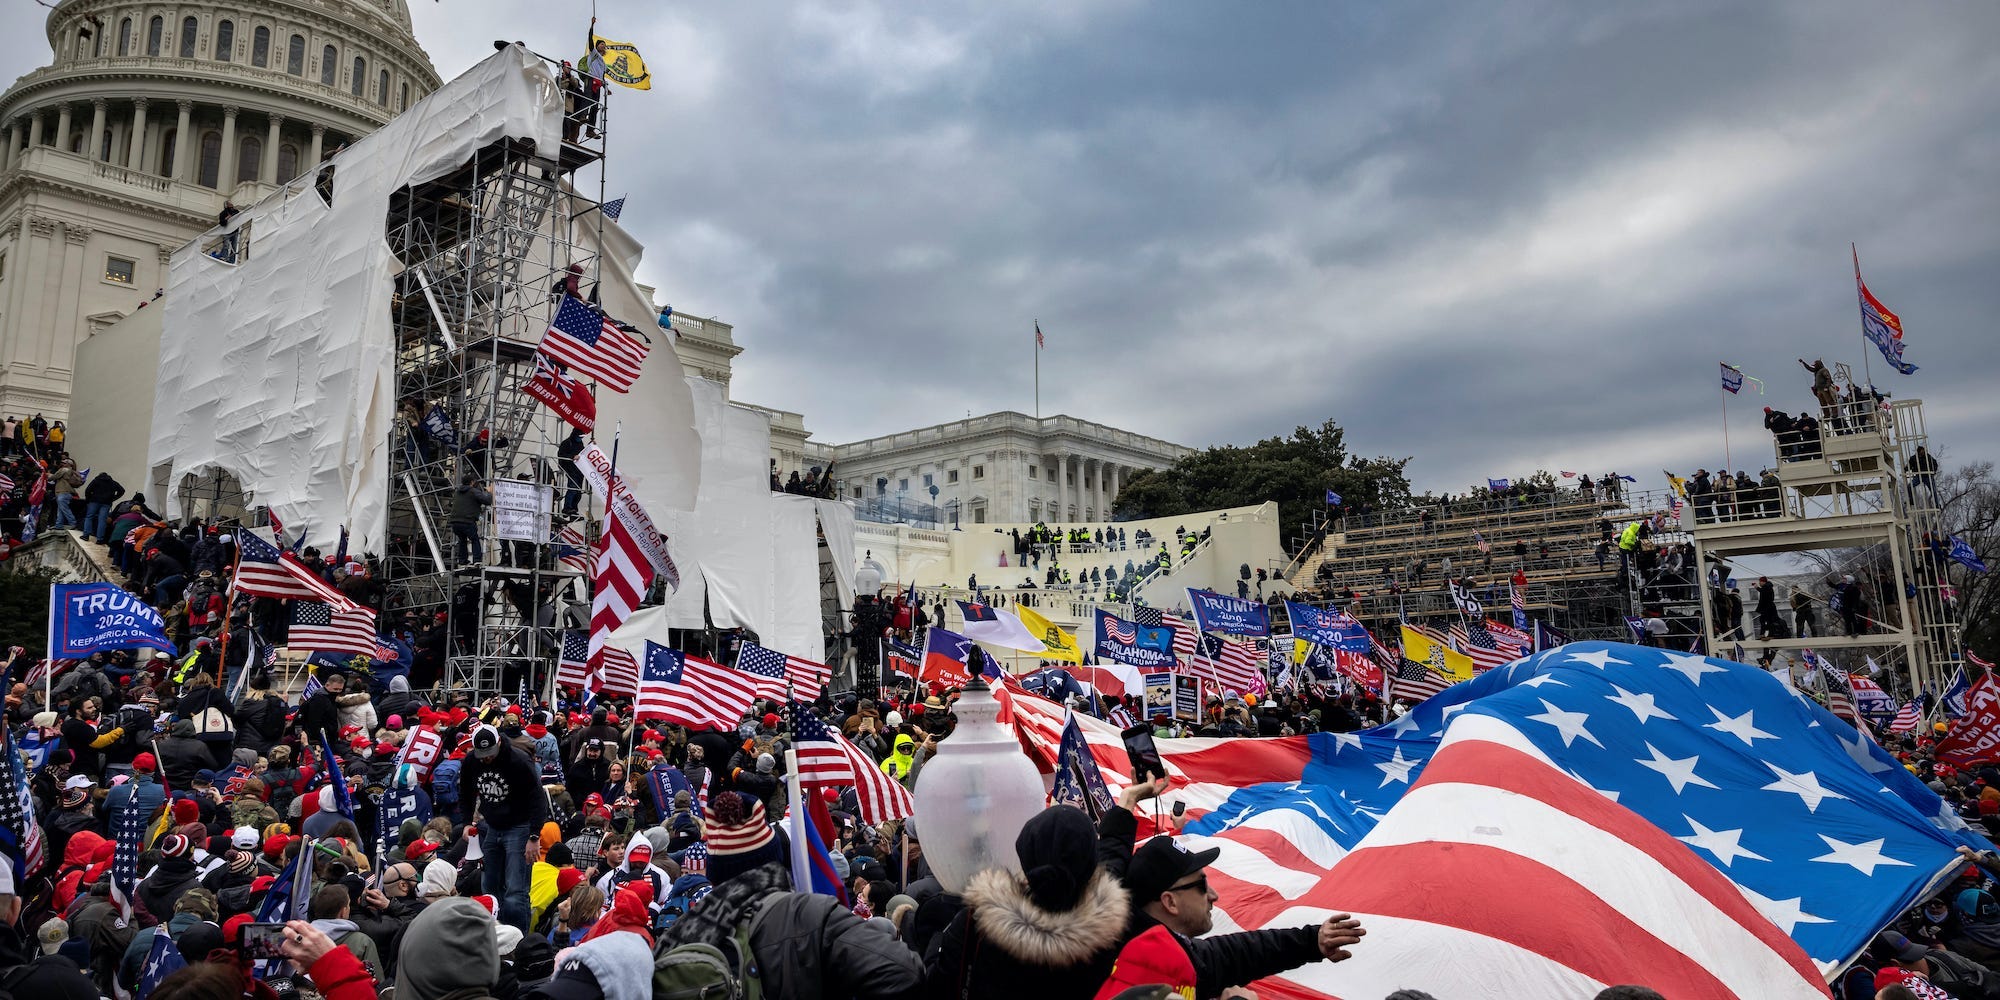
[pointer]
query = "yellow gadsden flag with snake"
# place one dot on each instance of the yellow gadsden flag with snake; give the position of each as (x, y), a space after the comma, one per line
(1429, 648)
(622, 63)
(1062, 645)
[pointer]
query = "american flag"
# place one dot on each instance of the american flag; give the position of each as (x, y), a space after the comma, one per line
(572, 551)
(765, 671)
(1907, 719)
(128, 827)
(42, 671)
(265, 571)
(163, 959)
(621, 577)
(1505, 781)
(690, 691)
(827, 758)
(1414, 682)
(573, 663)
(614, 208)
(325, 628)
(20, 834)
(1838, 688)
(807, 677)
(619, 676)
(593, 345)
(6, 486)
(1474, 639)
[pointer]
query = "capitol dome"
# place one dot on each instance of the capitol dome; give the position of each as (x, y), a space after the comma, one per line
(149, 117)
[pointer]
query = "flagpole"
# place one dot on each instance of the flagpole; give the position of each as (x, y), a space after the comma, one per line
(1867, 369)
(1038, 361)
(1724, 393)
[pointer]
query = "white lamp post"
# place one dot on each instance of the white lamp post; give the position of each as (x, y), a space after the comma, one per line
(976, 794)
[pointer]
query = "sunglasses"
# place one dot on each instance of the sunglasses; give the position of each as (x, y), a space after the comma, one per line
(1200, 885)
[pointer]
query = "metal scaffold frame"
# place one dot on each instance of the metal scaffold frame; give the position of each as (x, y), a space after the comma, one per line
(483, 254)
(1851, 489)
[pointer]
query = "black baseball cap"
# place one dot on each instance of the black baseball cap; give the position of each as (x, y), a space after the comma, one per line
(1159, 863)
(485, 742)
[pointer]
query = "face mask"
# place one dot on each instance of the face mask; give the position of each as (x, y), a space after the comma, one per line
(1936, 916)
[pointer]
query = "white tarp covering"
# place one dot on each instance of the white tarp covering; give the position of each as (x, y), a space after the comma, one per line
(278, 369)
(794, 577)
(836, 522)
(661, 459)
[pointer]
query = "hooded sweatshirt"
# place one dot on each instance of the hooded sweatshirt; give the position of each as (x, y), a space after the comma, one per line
(630, 871)
(439, 879)
(347, 934)
(622, 962)
(902, 760)
(461, 929)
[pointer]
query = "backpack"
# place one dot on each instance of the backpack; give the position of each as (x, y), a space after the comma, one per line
(444, 782)
(701, 971)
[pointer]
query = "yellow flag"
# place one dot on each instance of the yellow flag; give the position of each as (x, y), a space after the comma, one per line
(622, 63)
(1300, 650)
(1062, 645)
(1448, 662)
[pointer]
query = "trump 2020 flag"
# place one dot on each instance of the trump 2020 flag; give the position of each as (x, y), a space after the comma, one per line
(85, 618)
(1883, 328)
(1732, 379)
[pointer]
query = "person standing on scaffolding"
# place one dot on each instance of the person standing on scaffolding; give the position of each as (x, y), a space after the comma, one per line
(592, 98)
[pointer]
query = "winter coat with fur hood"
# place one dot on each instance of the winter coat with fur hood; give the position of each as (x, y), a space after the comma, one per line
(1004, 945)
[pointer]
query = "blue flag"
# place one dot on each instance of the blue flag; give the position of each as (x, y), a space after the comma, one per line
(1954, 696)
(162, 960)
(1215, 612)
(1327, 627)
(128, 827)
(1133, 643)
(1332, 499)
(437, 423)
(1498, 485)
(343, 800)
(85, 618)
(1079, 781)
(1962, 554)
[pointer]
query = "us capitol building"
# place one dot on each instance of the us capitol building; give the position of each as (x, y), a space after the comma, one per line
(150, 116)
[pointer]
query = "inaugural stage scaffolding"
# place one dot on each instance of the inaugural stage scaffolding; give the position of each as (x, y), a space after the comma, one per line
(487, 253)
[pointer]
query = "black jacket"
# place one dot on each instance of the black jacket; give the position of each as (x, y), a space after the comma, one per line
(1004, 945)
(508, 788)
(158, 891)
(319, 716)
(808, 946)
(260, 722)
(102, 489)
(180, 757)
(1220, 960)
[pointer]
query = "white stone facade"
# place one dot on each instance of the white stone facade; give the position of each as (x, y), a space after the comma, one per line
(150, 116)
(1003, 467)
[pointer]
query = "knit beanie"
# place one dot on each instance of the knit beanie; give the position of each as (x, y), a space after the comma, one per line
(739, 837)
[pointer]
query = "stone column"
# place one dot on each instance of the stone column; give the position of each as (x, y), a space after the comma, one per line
(93, 144)
(1093, 479)
(319, 140)
(62, 127)
(13, 145)
(34, 129)
(1072, 485)
(1117, 480)
(136, 140)
(225, 174)
(181, 136)
(270, 172)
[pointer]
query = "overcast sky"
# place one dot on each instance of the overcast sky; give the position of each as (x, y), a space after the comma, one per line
(1495, 236)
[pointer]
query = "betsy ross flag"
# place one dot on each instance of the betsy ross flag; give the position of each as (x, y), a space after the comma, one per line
(807, 677)
(1883, 328)
(690, 691)
(325, 628)
(827, 759)
(564, 395)
(594, 345)
(265, 571)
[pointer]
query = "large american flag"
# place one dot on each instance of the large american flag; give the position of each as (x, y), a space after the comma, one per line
(690, 691)
(1907, 719)
(325, 628)
(592, 344)
(620, 581)
(807, 678)
(128, 827)
(1615, 814)
(265, 571)
(827, 758)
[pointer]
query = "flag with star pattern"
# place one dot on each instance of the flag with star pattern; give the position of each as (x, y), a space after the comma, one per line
(1820, 829)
